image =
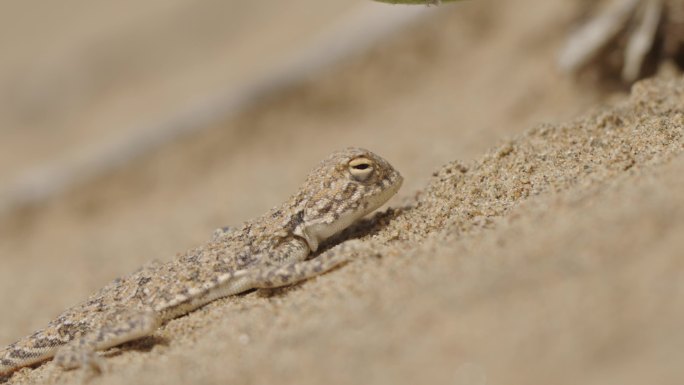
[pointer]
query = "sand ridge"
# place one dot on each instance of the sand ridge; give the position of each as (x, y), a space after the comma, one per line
(442, 273)
(551, 257)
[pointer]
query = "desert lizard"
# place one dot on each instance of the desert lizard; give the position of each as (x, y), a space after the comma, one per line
(270, 251)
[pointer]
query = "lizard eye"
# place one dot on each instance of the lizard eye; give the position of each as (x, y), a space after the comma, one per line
(361, 168)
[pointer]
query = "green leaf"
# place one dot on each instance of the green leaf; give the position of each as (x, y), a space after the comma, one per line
(423, 2)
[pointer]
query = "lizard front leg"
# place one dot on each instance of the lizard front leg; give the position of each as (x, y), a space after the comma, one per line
(293, 272)
(122, 326)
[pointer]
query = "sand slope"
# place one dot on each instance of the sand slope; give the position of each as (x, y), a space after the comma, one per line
(555, 257)
(552, 257)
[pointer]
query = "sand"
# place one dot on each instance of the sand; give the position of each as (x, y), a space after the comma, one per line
(537, 238)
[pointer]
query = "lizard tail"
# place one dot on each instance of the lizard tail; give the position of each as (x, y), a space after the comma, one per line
(30, 350)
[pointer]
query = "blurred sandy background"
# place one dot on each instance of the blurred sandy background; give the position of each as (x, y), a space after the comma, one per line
(130, 131)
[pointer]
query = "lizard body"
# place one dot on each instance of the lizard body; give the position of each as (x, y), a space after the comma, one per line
(269, 251)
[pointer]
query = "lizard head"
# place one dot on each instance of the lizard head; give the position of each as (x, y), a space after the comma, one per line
(343, 188)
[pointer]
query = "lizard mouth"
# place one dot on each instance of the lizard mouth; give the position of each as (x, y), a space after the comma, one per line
(383, 196)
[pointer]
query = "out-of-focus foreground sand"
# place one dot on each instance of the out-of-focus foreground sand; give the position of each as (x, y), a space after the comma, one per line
(517, 251)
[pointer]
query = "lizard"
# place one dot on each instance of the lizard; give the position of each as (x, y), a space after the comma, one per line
(276, 249)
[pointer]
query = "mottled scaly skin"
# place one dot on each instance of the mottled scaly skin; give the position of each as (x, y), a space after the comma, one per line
(269, 251)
